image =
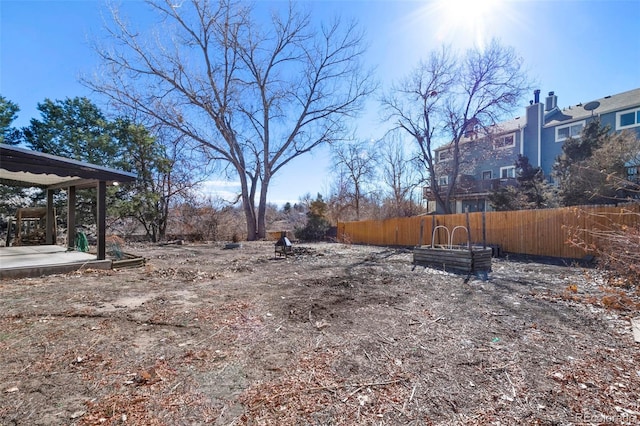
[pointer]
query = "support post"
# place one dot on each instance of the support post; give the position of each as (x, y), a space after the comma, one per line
(101, 219)
(71, 217)
(50, 237)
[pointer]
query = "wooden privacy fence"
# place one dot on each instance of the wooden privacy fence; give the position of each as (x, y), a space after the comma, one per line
(532, 232)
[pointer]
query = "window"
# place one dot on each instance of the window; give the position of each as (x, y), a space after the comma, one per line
(569, 131)
(487, 175)
(506, 141)
(507, 172)
(444, 155)
(443, 180)
(628, 119)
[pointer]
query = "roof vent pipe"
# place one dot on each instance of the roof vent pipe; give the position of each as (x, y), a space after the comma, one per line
(536, 96)
(551, 102)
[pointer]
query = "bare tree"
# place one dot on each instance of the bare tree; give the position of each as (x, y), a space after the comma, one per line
(355, 166)
(339, 200)
(448, 95)
(398, 174)
(250, 94)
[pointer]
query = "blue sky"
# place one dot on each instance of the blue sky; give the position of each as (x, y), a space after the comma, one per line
(581, 49)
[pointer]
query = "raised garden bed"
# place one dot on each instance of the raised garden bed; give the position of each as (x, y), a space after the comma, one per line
(458, 259)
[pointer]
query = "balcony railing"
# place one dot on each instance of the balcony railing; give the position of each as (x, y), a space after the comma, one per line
(468, 188)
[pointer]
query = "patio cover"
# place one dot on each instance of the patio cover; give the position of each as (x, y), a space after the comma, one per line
(22, 167)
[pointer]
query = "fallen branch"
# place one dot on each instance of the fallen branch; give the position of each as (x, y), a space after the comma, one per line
(211, 335)
(385, 340)
(351, 394)
(333, 388)
(242, 315)
(172, 242)
(404, 406)
(513, 388)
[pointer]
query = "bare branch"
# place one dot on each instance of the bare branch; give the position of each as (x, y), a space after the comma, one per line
(446, 94)
(250, 94)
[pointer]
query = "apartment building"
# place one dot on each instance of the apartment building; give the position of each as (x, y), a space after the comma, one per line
(488, 155)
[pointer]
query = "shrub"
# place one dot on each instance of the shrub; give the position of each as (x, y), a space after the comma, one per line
(614, 243)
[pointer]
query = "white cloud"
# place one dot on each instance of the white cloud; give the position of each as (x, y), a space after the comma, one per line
(222, 189)
(220, 184)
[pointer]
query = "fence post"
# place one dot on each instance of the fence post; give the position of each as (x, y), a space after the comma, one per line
(484, 229)
(434, 223)
(468, 229)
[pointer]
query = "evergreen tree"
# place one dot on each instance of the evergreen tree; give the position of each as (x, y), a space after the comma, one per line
(10, 197)
(591, 169)
(505, 198)
(147, 200)
(77, 129)
(532, 191)
(8, 113)
(74, 128)
(317, 223)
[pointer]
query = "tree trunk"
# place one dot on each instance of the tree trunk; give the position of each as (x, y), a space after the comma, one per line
(357, 202)
(262, 210)
(455, 173)
(248, 205)
(441, 204)
(164, 218)
(250, 216)
(251, 223)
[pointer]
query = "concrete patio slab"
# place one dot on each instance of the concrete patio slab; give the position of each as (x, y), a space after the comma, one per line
(33, 261)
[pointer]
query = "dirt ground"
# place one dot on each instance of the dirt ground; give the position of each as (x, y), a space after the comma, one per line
(337, 334)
